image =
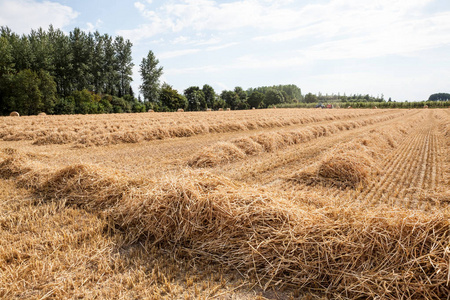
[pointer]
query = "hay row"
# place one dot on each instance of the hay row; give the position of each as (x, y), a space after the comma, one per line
(343, 251)
(240, 148)
(357, 162)
(114, 129)
(354, 163)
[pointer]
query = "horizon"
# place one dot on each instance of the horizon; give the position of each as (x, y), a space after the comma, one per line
(391, 48)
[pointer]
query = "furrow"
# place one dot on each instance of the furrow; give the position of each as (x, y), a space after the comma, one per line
(392, 166)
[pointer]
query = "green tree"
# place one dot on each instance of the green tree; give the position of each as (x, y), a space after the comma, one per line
(47, 87)
(150, 73)
(42, 49)
(171, 99)
(241, 94)
(6, 58)
(110, 66)
(273, 97)
(124, 63)
(195, 98)
(24, 95)
(65, 106)
(210, 95)
(81, 44)
(310, 98)
(439, 97)
(231, 99)
(62, 60)
(256, 99)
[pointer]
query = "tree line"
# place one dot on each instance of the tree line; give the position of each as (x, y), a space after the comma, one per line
(333, 98)
(86, 73)
(439, 97)
(50, 71)
(195, 98)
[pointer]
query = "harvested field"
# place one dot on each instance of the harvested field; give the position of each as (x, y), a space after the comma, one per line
(258, 204)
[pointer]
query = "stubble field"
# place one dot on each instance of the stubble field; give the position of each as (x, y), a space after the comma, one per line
(276, 204)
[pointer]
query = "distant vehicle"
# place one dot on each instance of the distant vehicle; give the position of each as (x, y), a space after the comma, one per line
(320, 105)
(329, 106)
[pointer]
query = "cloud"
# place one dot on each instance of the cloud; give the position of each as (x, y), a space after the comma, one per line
(92, 27)
(209, 15)
(23, 15)
(220, 47)
(177, 53)
(406, 37)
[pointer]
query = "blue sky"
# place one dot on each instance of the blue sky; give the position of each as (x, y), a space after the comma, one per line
(398, 48)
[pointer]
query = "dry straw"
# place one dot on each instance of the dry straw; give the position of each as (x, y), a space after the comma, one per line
(344, 251)
(270, 142)
(354, 163)
(101, 130)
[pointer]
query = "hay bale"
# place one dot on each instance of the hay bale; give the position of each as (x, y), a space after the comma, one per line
(180, 110)
(14, 114)
(42, 114)
(208, 109)
(375, 107)
(253, 108)
(349, 107)
(228, 109)
(425, 106)
(151, 110)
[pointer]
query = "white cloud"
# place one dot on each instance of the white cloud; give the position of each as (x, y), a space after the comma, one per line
(23, 15)
(209, 15)
(177, 53)
(405, 37)
(92, 27)
(220, 47)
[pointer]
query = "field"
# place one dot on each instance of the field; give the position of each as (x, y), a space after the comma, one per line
(260, 204)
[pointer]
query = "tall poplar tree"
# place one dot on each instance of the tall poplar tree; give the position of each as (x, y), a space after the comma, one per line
(150, 73)
(124, 63)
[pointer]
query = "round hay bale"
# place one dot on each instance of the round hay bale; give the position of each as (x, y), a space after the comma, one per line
(14, 114)
(253, 108)
(349, 107)
(221, 109)
(151, 110)
(228, 109)
(208, 109)
(42, 114)
(180, 110)
(425, 106)
(375, 107)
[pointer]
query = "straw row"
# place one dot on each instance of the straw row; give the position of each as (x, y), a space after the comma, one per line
(354, 163)
(240, 148)
(133, 128)
(345, 251)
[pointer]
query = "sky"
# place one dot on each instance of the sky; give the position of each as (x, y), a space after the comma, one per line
(397, 49)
